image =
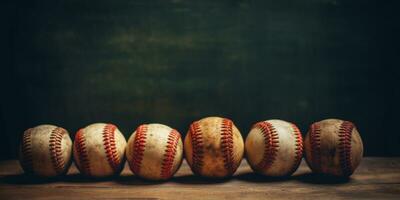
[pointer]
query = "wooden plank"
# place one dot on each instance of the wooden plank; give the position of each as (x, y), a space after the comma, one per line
(375, 178)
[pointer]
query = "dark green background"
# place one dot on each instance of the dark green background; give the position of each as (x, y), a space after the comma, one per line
(72, 63)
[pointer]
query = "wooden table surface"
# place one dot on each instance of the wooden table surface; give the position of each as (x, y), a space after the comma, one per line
(376, 178)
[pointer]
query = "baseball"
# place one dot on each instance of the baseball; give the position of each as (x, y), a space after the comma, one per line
(334, 147)
(45, 150)
(154, 151)
(274, 148)
(99, 150)
(213, 147)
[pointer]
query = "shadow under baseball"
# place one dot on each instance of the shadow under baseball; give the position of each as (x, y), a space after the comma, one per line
(310, 178)
(79, 178)
(27, 179)
(198, 180)
(314, 178)
(136, 180)
(259, 178)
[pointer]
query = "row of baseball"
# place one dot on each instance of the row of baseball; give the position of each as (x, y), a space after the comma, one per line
(213, 147)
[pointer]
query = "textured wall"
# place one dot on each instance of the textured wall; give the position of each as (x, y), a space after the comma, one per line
(72, 63)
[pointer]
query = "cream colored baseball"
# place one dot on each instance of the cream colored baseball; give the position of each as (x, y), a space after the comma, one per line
(99, 150)
(274, 148)
(46, 151)
(213, 147)
(334, 147)
(154, 151)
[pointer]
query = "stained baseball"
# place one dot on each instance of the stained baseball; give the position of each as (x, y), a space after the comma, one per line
(274, 148)
(334, 147)
(154, 151)
(46, 151)
(99, 150)
(213, 147)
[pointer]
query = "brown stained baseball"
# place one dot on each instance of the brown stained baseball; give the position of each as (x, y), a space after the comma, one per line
(213, 147)
(99, 150)
(154, 151)
(45, 151)
(274, 148)
(333, 147)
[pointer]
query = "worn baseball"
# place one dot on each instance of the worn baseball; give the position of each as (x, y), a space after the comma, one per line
(99, 150)
(46, 151)
(333, 147)
(213, 147)
(274, 148)
(154, 151)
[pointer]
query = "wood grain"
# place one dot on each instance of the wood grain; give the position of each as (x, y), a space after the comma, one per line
(376, 178)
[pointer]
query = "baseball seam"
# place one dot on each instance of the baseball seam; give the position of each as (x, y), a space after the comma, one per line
(55, 148)
(227, 144)
(83, 157)
(298, 148)
(110, 146)
(197, 147)
(138, 148)
(169, 155)
(315, 143)
(345, 132)
(271, 141)
(26, 148)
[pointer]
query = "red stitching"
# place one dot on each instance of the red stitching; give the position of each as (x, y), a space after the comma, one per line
(227, 144)
(138, 148)
(197, 146)
(345, 132)
(315, 143)
(298, 149)
(26, 161)
(83, 157)
(271, 141)
(110, 147)
(169, 155)
(56, 156)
